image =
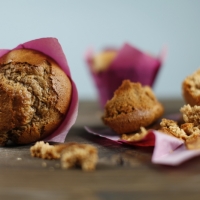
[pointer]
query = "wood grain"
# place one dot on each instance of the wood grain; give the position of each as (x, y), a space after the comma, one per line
(123, 172)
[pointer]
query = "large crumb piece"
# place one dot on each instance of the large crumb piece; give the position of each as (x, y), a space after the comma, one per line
(71, 154)
(135, 136)
(36, 150)
(187, 131)
(47, 151)
(83, 155)
(43, 150)
(191, 114)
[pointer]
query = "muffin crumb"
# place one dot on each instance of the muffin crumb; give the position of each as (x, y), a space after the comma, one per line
(70, 154)
(83, 155)
(47, 151)
(189, 130)
(133, 137)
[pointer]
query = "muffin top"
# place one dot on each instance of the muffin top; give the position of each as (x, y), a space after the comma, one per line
(130, 97)
(35, 95)
(191, 88)
(131, 107)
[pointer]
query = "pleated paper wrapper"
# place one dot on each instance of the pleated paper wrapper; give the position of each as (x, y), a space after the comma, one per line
(129, 63)
(52, 48)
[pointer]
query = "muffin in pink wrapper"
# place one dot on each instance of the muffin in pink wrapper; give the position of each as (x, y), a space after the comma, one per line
(39, 95)
(110, 67)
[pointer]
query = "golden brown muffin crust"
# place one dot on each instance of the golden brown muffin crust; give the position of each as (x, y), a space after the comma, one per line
(34, 94)
(189, 130)
(131, 107)
(191, 88)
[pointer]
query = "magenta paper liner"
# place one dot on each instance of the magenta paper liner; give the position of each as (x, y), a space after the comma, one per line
(168, 150)
(52, 48)
(171, 151)
(129, 63)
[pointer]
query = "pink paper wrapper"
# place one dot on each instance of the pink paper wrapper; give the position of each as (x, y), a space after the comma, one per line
(168, 150)
(52, 48)
(129, 63)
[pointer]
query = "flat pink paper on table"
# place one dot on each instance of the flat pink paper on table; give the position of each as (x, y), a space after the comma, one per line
(52, 48)
(168, 150)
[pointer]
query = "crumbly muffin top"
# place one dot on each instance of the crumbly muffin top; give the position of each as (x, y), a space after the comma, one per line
(29, 97)
(192, 83)
(191, 114)
(129, 97)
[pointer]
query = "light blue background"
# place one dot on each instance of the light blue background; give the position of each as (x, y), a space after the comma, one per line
(79, 24)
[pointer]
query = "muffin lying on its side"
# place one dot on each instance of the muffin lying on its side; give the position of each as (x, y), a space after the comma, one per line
(35, 94)
(131, 107)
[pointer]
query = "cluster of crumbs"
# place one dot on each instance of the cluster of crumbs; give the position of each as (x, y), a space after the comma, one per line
(135, 136)
(189, 131)
(70, 154)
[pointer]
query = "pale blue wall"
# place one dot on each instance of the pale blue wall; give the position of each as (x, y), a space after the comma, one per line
(148, 24)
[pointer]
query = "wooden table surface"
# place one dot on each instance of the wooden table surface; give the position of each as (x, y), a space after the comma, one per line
(123, 172)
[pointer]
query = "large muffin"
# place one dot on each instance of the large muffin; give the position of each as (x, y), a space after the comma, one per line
(35, 95)
(131, 107)
(191, 88)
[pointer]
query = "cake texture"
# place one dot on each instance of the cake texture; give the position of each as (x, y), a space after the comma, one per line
(191, 88)
(189, 130)
(71, 154)
(133, 106)
(35, 95)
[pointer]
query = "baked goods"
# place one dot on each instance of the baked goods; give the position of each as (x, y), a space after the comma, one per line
(132, 107)
(46, 151)
(102, 61)
(111, 66)
(35, 95)
(133, 137)
(70, 154)
(191, 88)
(83, 155)
(187, 131)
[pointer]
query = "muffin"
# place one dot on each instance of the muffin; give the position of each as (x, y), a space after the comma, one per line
(35, 95)
(111, 66)
(132, 106)
(191, 88)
